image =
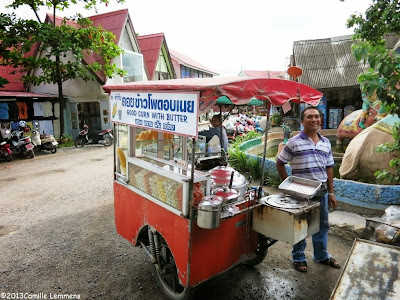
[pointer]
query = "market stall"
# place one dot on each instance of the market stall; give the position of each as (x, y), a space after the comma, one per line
(193, 224)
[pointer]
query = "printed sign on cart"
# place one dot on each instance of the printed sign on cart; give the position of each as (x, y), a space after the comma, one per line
(170, 112)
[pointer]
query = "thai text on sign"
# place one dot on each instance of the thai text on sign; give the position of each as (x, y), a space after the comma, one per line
(166, 111)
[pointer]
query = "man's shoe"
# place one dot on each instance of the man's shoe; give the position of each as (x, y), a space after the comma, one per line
(331, 262)
(300, 266)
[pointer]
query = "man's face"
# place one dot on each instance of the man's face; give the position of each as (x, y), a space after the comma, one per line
(214, 122)
(312, 119)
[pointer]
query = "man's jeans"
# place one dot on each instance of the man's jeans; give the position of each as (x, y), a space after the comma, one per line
(319, 239)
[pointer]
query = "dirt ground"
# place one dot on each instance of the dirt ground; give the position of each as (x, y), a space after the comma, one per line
(57, 237)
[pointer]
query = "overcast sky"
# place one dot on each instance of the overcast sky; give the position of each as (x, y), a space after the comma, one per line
(229, 35)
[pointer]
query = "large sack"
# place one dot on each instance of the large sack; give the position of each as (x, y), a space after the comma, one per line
(360, 160)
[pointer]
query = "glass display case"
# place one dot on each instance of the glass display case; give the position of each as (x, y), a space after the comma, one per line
(166, 181)
(155, 165)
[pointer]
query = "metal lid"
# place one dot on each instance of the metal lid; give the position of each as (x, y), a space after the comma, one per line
(226, 194)
(221, 176)
(210, 203)
(284, 201)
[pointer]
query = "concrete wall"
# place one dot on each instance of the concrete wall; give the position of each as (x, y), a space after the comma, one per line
(363, 195)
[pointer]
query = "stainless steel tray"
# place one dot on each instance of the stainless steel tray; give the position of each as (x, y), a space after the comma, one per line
(300, 187)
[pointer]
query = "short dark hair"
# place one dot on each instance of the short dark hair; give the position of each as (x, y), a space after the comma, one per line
(217, 117)
(307, 108)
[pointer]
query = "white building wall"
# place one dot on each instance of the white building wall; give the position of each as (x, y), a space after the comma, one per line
(78, 91)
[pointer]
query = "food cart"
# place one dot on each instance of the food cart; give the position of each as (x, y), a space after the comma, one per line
(194, 224)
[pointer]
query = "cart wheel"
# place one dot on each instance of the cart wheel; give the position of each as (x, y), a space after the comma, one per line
(261, 252)
(167, 275)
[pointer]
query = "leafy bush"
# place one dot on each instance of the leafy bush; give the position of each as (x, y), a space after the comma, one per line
(386, 176)
(69, 143)
(240, 162)
(276, 119)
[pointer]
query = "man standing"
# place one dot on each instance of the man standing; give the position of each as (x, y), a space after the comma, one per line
(310, 155)
(216, 130)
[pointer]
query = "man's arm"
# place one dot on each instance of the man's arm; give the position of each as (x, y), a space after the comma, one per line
(281, 169)
(225, 139)
(207, 134)
(331, 196)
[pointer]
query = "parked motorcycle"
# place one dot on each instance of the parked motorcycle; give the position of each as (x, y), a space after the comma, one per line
(43, 142)
(257, 125)
(230, 131)
(103, 137)
(21, 144)
(5, 151)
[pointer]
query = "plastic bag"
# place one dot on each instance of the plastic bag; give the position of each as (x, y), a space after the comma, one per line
(393, 211)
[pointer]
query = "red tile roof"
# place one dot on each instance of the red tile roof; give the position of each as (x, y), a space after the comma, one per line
(264, 74)
(187, 61)
(150, 45)
(14, 80)
(22, 94)
(112, 21)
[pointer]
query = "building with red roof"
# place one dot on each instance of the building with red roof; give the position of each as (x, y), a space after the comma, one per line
(16, 103)
(86, 101)
(262, 74)
(156, 56)
(186, 67)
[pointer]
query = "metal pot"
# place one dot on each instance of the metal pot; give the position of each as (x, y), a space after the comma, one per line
(209, 212)
(220, 177)
(227, 195)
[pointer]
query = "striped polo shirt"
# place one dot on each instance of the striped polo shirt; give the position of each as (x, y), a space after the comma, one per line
(307, 159)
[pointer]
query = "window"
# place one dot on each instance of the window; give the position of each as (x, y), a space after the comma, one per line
(132, 63)
(185, 72)
(162, 76)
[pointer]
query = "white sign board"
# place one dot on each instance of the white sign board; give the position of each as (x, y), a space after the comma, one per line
(171, 112)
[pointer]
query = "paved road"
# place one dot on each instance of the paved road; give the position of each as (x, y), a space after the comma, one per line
(57, 236)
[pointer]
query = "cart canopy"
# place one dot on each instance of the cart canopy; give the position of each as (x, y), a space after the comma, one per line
(240, 90)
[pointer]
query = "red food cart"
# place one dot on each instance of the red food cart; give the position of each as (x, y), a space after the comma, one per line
(192, 227)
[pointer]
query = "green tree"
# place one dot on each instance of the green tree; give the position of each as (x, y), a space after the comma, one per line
(23, 39)
(383, 74)
(3, 81)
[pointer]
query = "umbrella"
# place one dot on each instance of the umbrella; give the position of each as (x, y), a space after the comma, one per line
(239, 90)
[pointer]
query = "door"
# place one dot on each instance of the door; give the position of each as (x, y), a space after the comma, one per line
(89, 114)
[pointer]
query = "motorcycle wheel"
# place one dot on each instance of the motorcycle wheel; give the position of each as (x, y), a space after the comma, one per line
(53, 149)
(8, 157)
(167, 275)
(79, 143)
(108, 141)
(31, 154)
